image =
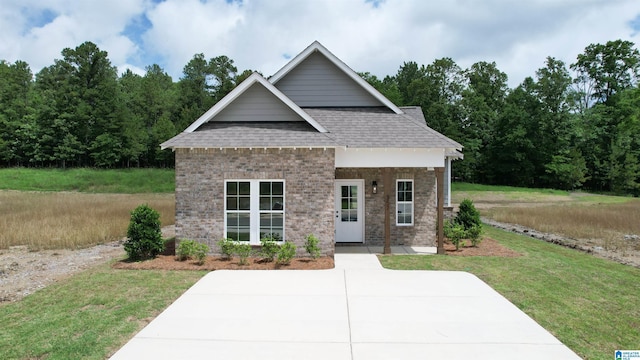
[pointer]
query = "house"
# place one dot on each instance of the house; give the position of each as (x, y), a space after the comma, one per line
(313, 149)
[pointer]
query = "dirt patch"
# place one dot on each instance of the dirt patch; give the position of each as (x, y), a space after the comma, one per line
(169, 262)
(487, 247)
(22, 272)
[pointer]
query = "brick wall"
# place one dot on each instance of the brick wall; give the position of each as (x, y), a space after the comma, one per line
(423, 231)
(309, 190)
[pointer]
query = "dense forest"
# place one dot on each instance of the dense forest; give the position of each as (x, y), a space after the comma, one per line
(567, 126)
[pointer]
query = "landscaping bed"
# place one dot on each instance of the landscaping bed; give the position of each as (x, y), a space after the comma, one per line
(169, 262)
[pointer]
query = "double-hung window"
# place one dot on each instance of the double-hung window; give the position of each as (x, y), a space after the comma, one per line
(254, 209)
(404, 202)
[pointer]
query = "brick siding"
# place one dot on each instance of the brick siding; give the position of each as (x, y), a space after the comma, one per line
(423, 230)
(309, 191)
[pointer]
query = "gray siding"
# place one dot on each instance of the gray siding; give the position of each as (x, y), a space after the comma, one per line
(316, 82)
(257, 104)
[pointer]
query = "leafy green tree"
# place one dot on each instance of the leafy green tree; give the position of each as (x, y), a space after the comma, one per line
(407, 74)
(85, 109)
(387, 87)
(16, 111)
(512, 148)
(610, 68)
(482, 102)
(563, 163)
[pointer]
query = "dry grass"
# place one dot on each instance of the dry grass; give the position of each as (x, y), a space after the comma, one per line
(608, 222)
(72, 220)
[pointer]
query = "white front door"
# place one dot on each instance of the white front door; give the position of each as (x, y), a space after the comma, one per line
(349, 211)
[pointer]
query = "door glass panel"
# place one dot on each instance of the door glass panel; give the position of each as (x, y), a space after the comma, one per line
(349, 203)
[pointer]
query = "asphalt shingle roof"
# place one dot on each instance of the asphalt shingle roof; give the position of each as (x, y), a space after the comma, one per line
(375, 127)
(252, 134)
(379, 128)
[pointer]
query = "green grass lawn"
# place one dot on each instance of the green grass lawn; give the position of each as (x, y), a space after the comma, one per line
(125, 181)
(591, 305)
(90, 315)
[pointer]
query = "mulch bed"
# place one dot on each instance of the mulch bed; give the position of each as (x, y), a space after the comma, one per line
(169, 262)
(487, 247)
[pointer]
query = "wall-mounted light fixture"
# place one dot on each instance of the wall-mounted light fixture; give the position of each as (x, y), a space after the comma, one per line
(374, 186)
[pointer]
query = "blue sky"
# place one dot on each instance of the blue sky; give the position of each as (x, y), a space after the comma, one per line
(369, 35)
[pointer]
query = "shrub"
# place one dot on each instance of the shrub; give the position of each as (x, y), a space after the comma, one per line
(200, 252)
(454, 232)
(286, 252)
(243, 250)
(184, 250)
(227, 247)
(468, 216)
(269, 248)
(311, 245)
(189, 249)
(144, 237)
(474, 234)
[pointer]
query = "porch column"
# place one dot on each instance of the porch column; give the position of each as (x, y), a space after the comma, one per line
(440, 196)
(386, 178)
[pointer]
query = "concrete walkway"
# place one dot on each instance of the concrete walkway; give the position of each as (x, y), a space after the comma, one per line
(356, 311)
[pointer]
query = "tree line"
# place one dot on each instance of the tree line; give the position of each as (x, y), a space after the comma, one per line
(565, 127)
(79, 113)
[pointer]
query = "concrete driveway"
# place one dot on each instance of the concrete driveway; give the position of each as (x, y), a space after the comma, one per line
(356, 311)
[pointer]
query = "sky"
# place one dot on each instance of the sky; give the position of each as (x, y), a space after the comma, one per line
(377, 36)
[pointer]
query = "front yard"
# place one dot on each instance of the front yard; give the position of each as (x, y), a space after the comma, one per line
(589, 304)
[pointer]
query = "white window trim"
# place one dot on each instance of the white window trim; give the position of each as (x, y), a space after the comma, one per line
(412, 202)
(254, 205)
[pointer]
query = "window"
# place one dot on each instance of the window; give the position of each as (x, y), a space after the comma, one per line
(404, 202)
(272, 209)
(254, 209)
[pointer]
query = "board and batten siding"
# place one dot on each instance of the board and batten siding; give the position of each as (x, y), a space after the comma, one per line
(257, 104)
(316, 82)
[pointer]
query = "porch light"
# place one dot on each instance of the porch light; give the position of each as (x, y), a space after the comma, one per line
(374, 185)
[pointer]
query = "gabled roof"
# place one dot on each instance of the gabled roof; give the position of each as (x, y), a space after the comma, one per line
(256, 79)
(317, 47)
(378, 128)
(257, 134)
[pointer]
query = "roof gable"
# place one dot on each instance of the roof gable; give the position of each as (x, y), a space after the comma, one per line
(255, 99)
(316, 73)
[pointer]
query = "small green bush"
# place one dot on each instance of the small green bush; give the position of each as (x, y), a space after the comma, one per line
(286, 252)
(468, 216)
(454, 232)
(227, 247)
(311, 245)
(184, 250)
(475, 235)
(243, 250)
(269, 248)
(189, 249)
(144, 237)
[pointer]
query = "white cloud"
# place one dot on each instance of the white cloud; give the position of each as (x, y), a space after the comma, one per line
(257, 34)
